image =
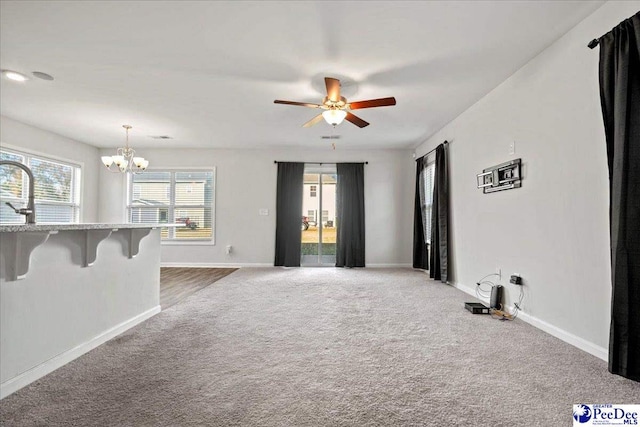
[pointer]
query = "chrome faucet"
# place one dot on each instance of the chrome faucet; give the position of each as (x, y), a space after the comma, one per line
(30, 210)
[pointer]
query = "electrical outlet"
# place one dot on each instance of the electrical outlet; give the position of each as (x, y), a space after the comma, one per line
(512, 148)
(228, 249)
(515, 279)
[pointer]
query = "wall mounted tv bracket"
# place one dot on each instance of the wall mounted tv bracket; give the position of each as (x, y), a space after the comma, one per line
(504, 176)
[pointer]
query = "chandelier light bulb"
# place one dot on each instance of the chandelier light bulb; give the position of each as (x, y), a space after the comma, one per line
(118, 160)
(107, 160)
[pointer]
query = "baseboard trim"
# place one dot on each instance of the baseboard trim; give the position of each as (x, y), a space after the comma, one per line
(16, 383)
(569, 338)
(256, 264)
(398, 265)
(213, 265)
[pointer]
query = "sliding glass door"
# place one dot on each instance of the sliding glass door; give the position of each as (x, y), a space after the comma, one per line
(319, 215)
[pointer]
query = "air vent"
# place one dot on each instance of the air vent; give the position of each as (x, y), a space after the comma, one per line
(160, 137)
(330, 137)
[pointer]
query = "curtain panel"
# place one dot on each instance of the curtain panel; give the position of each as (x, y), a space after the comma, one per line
(289, 214)
(440, 218)
(619, 72)
(420, 252)
(350, 239)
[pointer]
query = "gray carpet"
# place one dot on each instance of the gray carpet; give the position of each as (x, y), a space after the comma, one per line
(322, 347)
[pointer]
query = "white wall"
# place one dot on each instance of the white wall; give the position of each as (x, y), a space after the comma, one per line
(554, 230)
(246, 182)
(38, 141)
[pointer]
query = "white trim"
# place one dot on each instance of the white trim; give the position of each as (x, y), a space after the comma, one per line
(574, 340)
(214, 265)
(37, 372)
(568, 337)
(46, 156)
(259, 264)
(185, 242)
(391, 265)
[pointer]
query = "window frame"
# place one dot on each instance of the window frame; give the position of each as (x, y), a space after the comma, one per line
(171, 207)
(76, 186)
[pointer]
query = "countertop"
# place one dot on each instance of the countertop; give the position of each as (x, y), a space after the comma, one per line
(12, 228)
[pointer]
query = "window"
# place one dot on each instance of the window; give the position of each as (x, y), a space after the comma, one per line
(312, 215)
(313, 190)
(57, 188)
(325, 216)
(180, 196)
(427, 181)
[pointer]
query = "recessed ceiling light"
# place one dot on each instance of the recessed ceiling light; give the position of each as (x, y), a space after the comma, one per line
(14, 75)
(43, 76)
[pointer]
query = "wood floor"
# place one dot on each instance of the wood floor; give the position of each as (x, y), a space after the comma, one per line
(178, 283)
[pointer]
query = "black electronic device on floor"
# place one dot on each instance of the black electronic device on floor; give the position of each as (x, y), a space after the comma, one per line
(496, 297)
(476, 308)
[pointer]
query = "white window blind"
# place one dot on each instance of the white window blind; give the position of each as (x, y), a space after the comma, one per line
(57, 188)
(428, 177)
(184, 196)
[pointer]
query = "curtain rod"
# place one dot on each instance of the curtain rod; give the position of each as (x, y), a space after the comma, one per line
(595, 42)
(319, 163)
(431, 151)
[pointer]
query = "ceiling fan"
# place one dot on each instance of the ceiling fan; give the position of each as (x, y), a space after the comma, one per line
(337, 108)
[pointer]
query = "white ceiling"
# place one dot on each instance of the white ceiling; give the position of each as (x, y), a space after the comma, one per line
(207, 73)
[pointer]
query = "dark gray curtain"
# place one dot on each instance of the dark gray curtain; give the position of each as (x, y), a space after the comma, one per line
(420, 253)
(350, 215)
(620, 98)
(289, 214)
(440, 218)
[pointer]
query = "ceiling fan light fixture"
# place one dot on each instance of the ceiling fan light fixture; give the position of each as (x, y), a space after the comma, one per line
(334, 117)
(336, 106)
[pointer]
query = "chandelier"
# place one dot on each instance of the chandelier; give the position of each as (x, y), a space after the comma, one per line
(124, 160)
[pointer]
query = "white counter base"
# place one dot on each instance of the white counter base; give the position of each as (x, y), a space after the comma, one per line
(63, 308)
(33, 374)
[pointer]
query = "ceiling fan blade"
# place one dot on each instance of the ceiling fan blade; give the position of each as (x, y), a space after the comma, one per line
(301, 104)
(381, 102)
(313, 121)
(333, 88)
(356, 120)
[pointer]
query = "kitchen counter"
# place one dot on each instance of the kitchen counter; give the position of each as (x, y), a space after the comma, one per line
(67, 288)
(12, 228)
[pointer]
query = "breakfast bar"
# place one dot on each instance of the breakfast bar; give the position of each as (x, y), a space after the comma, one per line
(67, 288)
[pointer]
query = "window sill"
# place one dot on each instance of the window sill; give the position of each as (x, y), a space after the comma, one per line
(187, 243)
